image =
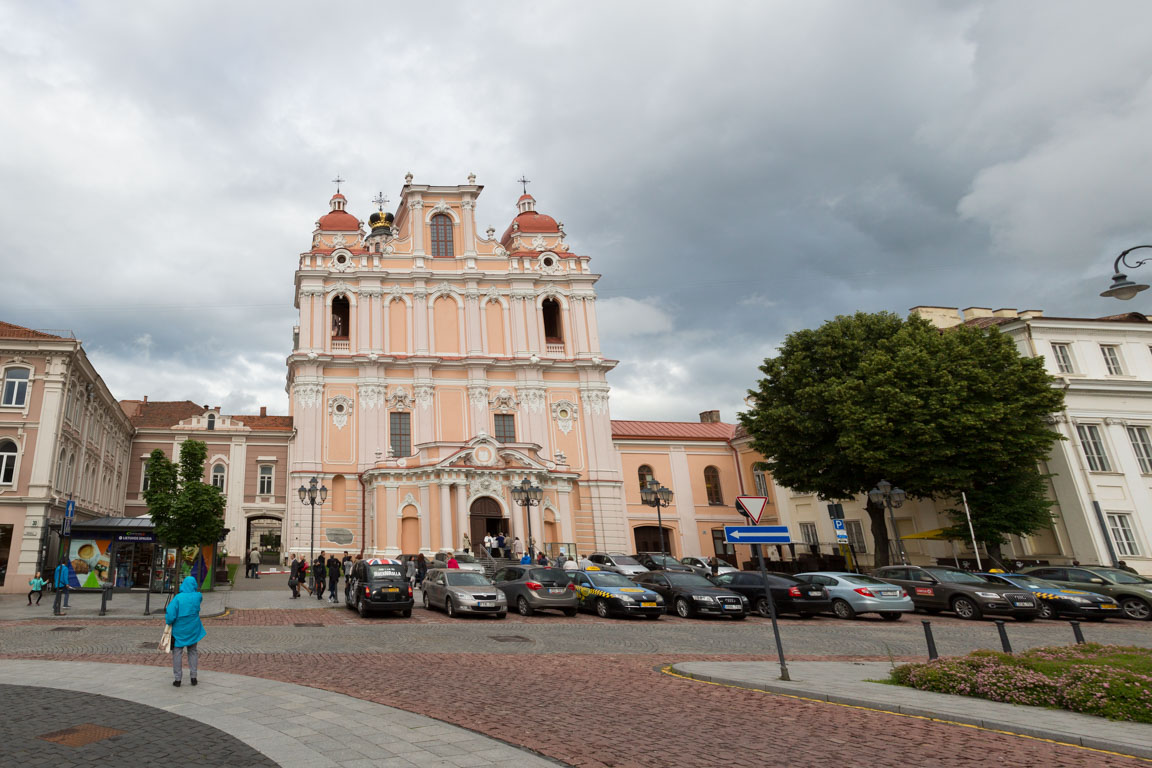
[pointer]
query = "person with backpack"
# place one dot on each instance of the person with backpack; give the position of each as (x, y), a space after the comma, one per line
(183, 615)
(60, 581)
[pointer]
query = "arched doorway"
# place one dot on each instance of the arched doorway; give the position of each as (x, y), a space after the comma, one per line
(409, 531)
(264, 532)
(647, 539)
(485, 518)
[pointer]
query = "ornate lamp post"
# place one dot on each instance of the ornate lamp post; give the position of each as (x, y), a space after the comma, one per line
(656, 495)
(1122, 288)
(528, 496)
(885, 494)
(308, 495)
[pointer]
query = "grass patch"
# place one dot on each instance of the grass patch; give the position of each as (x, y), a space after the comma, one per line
(1104, 680)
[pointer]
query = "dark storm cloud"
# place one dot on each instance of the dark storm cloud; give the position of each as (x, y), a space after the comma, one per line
(737, 170)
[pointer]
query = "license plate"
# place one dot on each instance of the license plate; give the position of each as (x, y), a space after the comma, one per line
(392, 589)
(887, 593)
(647, 605)
(1110, 607)
(487, 604)
(556, 591)
(1020, 604)
(731, 607)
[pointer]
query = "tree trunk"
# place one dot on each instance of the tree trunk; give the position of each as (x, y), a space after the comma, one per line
(995, 555)
(879, 534)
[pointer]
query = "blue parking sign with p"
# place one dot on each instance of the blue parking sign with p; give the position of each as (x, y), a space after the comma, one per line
(841, 533)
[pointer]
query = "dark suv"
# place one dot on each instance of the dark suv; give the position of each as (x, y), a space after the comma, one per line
(654, 561)
(1133, 592)
(377, 586)
(937, 588)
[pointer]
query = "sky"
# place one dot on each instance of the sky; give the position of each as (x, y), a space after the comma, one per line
(735, 170)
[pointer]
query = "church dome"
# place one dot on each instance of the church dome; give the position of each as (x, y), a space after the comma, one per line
(380, 220)
(530, 221)
(338, 219)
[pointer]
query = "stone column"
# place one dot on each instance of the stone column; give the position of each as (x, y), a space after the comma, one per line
(425, 519)
(445, 512)
(390, 512)
(462, 514)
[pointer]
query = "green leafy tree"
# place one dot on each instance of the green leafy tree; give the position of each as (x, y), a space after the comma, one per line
(871, 396)
(186, 511)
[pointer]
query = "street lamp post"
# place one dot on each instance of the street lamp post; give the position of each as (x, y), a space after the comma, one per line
(308, 495)
(1122, 288)
(656, 495)
(891, 497)
(528, 496)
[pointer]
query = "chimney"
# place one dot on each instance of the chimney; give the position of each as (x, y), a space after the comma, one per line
(710, 417)
(145, 398)
(263, 410)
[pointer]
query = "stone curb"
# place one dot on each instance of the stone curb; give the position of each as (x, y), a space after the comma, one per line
(944, 713)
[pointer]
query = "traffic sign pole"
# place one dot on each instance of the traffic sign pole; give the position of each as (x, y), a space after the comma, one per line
(772, 613)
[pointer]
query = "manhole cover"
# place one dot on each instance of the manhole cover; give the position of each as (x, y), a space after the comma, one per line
(67, 629)
(307, 625)
(80, 735)
(510, 638)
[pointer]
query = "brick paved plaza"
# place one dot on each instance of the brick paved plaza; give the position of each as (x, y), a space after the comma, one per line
(582, 691)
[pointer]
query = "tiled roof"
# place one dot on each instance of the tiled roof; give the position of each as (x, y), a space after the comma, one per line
(339, 221)
(162, 413)
(672, 430)
(281, 423)
(10, 331)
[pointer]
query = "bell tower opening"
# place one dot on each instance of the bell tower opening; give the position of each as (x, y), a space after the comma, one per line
(340, 318)
(553, 331)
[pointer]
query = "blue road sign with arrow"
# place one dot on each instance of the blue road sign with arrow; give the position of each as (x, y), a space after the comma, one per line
(757, 534)
(69, 513)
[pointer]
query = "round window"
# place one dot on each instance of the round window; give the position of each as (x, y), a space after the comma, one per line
(341, 259)
(563, 413)
(548, 261)
(340, 408)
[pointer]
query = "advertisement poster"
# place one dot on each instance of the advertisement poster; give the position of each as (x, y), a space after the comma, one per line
(90, 566)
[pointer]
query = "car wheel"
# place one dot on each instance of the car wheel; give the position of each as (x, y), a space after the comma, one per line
(1135, 608)
(523, 607)
(360, 608)
(406, 613)
(762, 608)
(424, 599)
(683, 610)
(891, 615)
(449, 607)
(602, 608)
(570, 612)
(965, 608)
(1046, 610)
(842, 609)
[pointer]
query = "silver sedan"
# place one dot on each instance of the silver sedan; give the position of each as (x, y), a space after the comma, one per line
(456, 592)
(852, 593)
(704, 567)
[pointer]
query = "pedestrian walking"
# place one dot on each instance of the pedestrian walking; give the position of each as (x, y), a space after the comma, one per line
(294, 577)
(501, 542)
(334, 570)
(60, 581)
(467, 543)
(488, 543)
(541, 558)
(410, 572)
(306, 575)
(37, 585)
(254, 562)
(318, 569)
(183, 615)
(421, 569)
(517, 548)
(585, 562)
(346, 564)
(571, 565)
(452, 563)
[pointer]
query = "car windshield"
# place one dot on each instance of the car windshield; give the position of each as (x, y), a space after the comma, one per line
(1030, 582)
(665, 560)
(624, 560)
(551, 577)
(609, 579)
(688, 580)
(463, 558)
(854, 579)
(956, 577)
(384, 572)
(467, 579)
(1121, 577)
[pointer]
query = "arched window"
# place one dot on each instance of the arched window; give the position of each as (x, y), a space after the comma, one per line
(645, 476)
(60, 469)
(211, 421)
(340, 317)
(218, 476)
(441, 230)
(712, 486)
(7, 462)
(15, 387)
(553, 329)
(68, 478)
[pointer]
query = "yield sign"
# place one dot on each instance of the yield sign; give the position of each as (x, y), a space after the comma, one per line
(753, 506)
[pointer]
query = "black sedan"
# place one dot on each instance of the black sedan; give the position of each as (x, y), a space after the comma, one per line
(791, 595)
(654, 561)
(690, 595)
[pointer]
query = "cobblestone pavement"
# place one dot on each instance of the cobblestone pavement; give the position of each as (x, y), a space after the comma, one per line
(109, 731)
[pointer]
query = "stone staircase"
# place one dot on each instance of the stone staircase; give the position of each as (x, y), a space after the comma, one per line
(492, 564)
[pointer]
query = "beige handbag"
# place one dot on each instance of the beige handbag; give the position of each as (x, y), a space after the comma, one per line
(166, 639)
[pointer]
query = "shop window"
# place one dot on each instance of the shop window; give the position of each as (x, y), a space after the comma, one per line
(5, 550)
(645, 476)
(553, 333)
(15, 387)
(505, 428)
(7, 462)
(400, 433)
(712, 486)
(441, 231)
(218, 476)
(264, 487)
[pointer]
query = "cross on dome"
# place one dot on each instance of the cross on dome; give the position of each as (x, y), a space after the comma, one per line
(338, 181)
(380, 200)
(525, 182)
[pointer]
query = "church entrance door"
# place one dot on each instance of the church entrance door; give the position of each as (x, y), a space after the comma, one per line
(485, 518)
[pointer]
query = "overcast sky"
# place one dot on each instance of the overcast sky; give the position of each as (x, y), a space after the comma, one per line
(736, 170)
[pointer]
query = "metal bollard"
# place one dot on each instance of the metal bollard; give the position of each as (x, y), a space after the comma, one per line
(103, 601)
(148, 602)
(932, 654)
(1003, 636)
(1077, 633)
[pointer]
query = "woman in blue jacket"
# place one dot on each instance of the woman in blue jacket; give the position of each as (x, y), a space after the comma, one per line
(183, 613)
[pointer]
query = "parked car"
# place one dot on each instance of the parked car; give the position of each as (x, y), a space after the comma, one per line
(938, 588)
(704, 567)
(466, 561)
(690, 595)
(533, 588)
(853, 594)
(458, 591)
(378, 585)
(654, 561)
(1134, 593)
(1056, 601)
(610, 593)
(790, 594)
(617, 562)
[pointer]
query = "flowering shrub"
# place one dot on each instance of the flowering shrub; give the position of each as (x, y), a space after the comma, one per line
(1089, 678)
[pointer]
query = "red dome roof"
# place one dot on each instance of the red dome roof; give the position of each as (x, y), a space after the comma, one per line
(339, 221)
(530, 221)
